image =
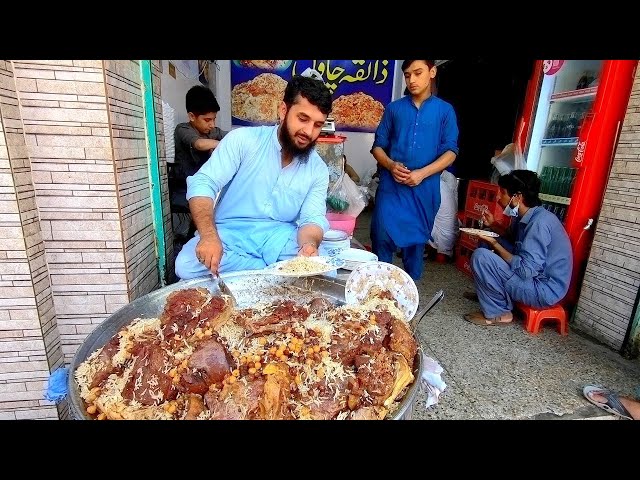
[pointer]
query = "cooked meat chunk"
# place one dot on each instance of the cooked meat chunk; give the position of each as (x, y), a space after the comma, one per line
(401, 340)
(194, 407)
(104, 357)
(148, 384)
(368, 413)
(208, 364)
(236, 401)
(217, 312)
(376, 378)
(281, 319)
(319, 305)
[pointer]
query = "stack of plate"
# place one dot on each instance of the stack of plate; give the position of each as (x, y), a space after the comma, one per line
(354, 257)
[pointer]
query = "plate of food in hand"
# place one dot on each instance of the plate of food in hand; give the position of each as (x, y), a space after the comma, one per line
(479, 233)
(305, 266)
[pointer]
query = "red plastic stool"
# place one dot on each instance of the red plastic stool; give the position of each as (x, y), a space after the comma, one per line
(533, 317)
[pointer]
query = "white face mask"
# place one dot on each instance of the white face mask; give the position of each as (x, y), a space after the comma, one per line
(510, 211)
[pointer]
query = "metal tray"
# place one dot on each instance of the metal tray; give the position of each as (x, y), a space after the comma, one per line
(248, 290)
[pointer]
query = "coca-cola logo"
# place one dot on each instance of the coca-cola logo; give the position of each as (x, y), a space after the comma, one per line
(551, 67)
(582, 146)
(479, 207)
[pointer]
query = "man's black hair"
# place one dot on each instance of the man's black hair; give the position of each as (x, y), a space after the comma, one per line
(407, 63)
(522, 181)
(315, 91)
(201, 100)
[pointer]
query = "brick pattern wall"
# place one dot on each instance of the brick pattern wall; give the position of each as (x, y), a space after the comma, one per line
(29, 340)
(126, 117)
(612, 275)
(66, 123)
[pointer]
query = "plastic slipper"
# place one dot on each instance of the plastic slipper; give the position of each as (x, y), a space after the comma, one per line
(484, 322)
(613, 405)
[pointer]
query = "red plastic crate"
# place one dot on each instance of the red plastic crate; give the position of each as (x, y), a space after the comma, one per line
(463, 257)
(470, 221)
(484, 195)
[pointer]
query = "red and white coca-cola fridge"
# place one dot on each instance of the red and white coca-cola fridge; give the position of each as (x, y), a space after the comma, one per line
(568, 132)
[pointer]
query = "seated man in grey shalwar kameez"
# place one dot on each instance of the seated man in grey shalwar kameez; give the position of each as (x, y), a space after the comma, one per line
(531, 262)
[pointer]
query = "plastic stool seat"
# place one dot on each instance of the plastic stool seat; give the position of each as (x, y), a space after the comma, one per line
(533, 317)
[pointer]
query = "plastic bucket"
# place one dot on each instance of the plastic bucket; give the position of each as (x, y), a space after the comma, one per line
(342, 222)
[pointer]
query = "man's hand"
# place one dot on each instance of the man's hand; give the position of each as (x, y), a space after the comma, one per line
(490, 240)
(209, 252)
(415, 178)
(487, 217)
(399, 172)
(309, 249)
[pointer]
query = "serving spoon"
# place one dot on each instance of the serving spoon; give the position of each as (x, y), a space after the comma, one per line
(417, 318)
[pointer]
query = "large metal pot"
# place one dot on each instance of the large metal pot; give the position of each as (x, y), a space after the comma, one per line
(247, 290)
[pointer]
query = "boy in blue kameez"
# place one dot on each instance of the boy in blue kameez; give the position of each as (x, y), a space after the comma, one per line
(416, 140)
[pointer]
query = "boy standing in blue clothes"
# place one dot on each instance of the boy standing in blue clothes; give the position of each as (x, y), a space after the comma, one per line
(416, 140)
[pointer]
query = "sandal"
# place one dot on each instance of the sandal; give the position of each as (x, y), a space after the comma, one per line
(478, 318)
(613, 405)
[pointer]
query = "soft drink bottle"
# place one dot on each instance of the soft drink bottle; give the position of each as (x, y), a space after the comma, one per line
(552, 128)
(544, 180)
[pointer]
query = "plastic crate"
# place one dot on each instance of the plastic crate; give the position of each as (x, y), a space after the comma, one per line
(469, 221)
(483, 196)
(463, 257)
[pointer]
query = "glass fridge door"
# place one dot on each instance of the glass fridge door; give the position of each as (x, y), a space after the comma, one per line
(567, 92)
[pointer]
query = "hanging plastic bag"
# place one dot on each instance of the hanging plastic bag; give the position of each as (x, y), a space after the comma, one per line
(346, 197)
(370, 182)
(511, 158)
(445, 226)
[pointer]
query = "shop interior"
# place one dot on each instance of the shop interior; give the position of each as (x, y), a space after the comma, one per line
(487, 95)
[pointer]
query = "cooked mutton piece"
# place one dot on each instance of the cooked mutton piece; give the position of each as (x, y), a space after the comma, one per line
(208, 364)
(274, 404)
(368, 413)
(375, 379)
(182, 313)
(402, 341)
(320, 305)
(189, 309)
(351, 338)
(280, 319)
(216, 312)
(328, 407)
(194, 407)
(236, 401)
(105, 359)
(148, 384)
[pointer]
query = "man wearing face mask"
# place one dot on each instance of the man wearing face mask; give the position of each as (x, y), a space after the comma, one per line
(531, 265)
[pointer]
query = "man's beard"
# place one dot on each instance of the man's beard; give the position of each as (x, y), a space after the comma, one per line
(289, 146)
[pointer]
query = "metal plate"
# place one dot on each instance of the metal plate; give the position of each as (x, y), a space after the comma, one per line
(248, 291)
(387, 277)
(325, 263)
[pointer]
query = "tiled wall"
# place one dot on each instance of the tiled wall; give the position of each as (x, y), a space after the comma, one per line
(76, 224)
(66, 122)
(612, 275)
(29, 339)
(126, 118)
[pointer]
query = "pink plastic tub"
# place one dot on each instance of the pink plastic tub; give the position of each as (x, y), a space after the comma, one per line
(342, 222)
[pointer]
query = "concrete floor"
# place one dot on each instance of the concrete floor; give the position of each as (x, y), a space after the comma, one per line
(504, 372)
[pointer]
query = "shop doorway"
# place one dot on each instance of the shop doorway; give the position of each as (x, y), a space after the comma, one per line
(487, 95)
